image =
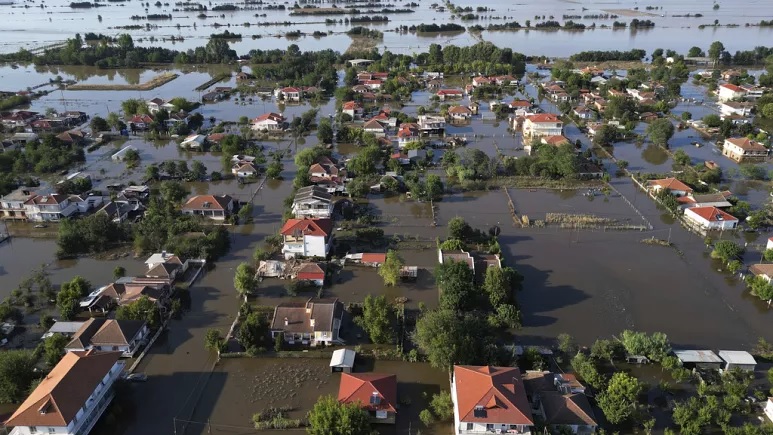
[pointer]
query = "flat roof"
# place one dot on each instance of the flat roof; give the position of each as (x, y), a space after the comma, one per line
(65, 327)
(343, 358)
(737, 357)
(697, 356)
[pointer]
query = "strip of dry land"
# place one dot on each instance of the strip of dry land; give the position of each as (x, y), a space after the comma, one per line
(153, 83)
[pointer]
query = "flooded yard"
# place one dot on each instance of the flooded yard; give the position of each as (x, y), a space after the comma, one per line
(241, 387)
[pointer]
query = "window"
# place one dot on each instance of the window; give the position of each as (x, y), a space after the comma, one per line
(33, 429)
(469, 426)
(51, 430)
(489, 426)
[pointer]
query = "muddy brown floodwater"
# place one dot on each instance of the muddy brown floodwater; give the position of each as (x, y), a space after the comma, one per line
(238, 388)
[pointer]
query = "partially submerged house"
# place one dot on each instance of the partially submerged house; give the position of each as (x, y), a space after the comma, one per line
(737, 359)
(374, 392)
(307, 237)
(316, 321)
(343, 360)
(312, 202)
(215, 207)
(701, 359)
(101, 334)
(710, 218)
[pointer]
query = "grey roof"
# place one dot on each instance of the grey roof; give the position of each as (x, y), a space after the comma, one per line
(697, 356)
(309, 193)
(66, 327)
(737, 357)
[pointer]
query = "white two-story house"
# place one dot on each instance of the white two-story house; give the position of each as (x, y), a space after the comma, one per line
(489, 400)
(307, 237)
(542, 124)
(71, 398)
(45, 208)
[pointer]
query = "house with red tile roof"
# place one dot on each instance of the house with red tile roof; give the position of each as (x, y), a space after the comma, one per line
(445, 94)
(269, 122)
(72, 397)
(311, 272)
(289, 93)
(373, 392)
(728, 92)
(489, 400)
(216, 207)
(459, 113)
(710, 218)
(542, 124)
(307, 237)
(676, 187)
(352, 108)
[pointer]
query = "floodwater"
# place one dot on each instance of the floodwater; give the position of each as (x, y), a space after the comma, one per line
(31, 25)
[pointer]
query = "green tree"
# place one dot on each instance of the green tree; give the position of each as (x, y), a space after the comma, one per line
(442, 405)
(726, 250)
(53, 349)
(567, 344)
(458, 228)
(497, 285)
(376, 319)
(434, 187)
(119, 272)
(607, 349)
(17, 371)
(254, 331)
(660, 131)
(133, 107)
(712, 121)
(508, 316)
(760, 287)
(213, 340)
(587, 371)
(655, 346)
(325, 131)
(457, 291)
(618, 402)
(143, 309)
(173, 191)
(715, 50)
(69, 295)
(605, 135)
(447, 339)
(274, 170)
(152, 172)
(98, 124)
(681, 158)
(198, 171)
(244, 280)
(331, 417)
(306, 157)
(390, 270)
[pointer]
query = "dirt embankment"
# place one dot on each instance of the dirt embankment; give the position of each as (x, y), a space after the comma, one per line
(153, 83)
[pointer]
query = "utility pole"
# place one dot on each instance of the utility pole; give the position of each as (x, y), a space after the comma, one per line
(669, 235)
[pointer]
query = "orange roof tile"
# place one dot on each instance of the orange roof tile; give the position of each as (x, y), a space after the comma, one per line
(670, 184)
(712, 214)
(63, 392)
(308, 227)
(543, 117)
(361, 387)
(499, 390)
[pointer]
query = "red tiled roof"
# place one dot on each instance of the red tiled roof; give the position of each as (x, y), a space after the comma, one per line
(712, 214)
(308, 227)
(670, 184)
(216, 202)
(459, 110)
(449, 92)
(373, 257)
(556, 140)
(543, 117)
(499, 390)
(520, 103)
(732, 87)
(746, 144)
(361, 387)
(290, 90)
(351, 105)
(311, 271)
(272, 116)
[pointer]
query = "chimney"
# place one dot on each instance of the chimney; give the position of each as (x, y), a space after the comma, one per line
(287, 321)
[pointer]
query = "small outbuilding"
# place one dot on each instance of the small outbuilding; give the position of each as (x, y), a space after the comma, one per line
(342, 360)
(702, 359)
(737, 359)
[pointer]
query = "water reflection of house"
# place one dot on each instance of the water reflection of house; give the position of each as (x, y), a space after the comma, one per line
(317, 321)
(374, 392)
